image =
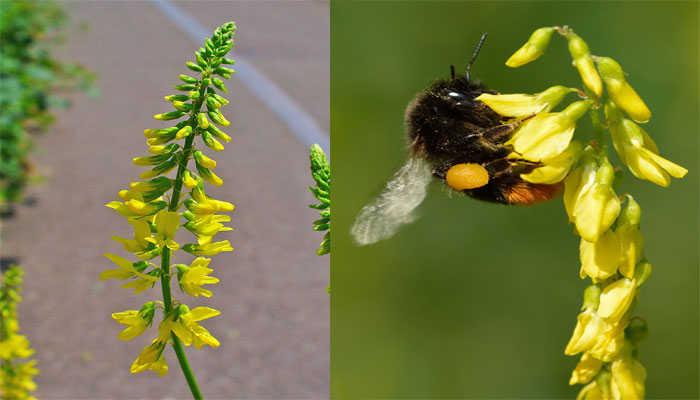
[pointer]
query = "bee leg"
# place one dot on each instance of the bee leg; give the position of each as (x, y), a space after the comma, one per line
(499, 134)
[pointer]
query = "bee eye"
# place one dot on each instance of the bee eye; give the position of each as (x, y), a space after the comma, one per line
(457, 95)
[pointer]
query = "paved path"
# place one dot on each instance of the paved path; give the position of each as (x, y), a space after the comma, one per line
(274, 327)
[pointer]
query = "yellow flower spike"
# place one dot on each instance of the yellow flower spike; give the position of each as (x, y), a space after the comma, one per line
(547, 134)
(638, 151)
(15, 346)
(628, 377)
(585, 370)
(195, 276)
(584, 63)
(532, 49)
(597, 207)
(522, 105)
(631, 240)
(616, 299)
(555, 169)
(600, 259)
(586, 332)
(620, 91)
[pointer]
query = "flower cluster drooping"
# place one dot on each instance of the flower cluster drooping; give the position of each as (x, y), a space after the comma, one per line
(156, 215)
(607, 334)
(16, 378)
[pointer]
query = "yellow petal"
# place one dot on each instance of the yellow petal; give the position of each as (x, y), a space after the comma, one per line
(600, 259)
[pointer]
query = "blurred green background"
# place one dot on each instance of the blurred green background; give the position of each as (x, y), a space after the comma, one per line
(477, 300)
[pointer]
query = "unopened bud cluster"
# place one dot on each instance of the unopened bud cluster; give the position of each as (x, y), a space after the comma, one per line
(607, 334)
(16, 378)
(153, 207)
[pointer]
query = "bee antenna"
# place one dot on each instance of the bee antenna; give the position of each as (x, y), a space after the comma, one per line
(478, 48)
(452, 70)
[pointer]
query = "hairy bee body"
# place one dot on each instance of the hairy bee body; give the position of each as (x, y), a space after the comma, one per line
(447, 126)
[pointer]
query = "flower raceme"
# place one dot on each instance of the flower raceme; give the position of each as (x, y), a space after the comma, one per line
(607, 335)
(153, 207)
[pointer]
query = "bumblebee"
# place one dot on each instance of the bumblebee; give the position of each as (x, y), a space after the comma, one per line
(460, 141)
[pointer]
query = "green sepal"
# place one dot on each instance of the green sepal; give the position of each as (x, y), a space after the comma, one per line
(188, 215)
(185, 88)
(219, 84)
(194, 67)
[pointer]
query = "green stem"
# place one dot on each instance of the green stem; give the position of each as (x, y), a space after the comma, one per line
(165, 255)
(597, 126)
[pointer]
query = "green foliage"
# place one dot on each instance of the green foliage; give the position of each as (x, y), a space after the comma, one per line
(321, 172)
(28, 76)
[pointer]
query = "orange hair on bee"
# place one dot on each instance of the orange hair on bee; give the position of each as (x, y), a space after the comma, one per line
(526, 193)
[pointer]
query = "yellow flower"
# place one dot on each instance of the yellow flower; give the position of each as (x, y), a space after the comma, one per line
(142, 284)
(620, 91)
(136, 321)
(203, 205)
(195, 276)
(631, 240)
(189, 181)
(206, 226)
(638, 151)
(15, 346)
(584, 63)
(167, 223)
(126, 269)
(600, 259)
(628, 377)
(521, 105)
(151, 357)
(616, 299)
(585, 334)
(597, 206)
(585, 370)
(209, 249)
(556, 168)
(547, 135)
(532, 49)
(610, 341)
(187, 328)
(139, 245)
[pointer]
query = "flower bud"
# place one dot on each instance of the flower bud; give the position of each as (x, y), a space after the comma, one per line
(202, 120)
(203, 160)
(521, 105)
(642, 272)
(218, 118)
(211, 142)
(620, 91)
(182, 106)
(185, 88)
(631, 240)
(584, 63)
(169, 115)
(163, 149)
(219, 84)
(183, 133)
(208, 176)
(532, 49)
(188, 79)
(194, 67)
(212, 103)
(177, 97)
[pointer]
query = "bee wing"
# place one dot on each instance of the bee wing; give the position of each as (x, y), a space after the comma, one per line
(394, 207)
